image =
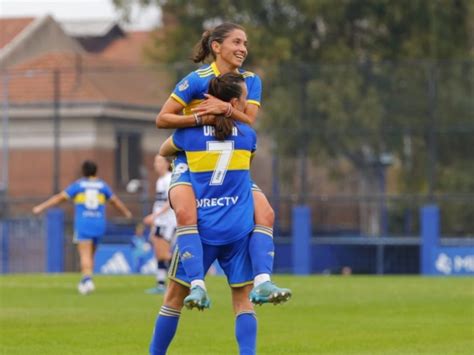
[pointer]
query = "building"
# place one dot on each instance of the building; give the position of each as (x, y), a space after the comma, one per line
(70, 95)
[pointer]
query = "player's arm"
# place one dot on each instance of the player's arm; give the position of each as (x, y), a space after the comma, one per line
(214, 106)
(168, 148)
(170, 116)
(52, 201)
(118, 204)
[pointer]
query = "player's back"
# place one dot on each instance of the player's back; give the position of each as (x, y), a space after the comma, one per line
(89, 196)
(220, 175)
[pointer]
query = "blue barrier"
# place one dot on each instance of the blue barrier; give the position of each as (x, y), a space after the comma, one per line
(301, 250)
(437, 259)
(54, 240)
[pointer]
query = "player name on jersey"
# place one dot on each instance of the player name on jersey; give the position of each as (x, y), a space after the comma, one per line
(209, 131)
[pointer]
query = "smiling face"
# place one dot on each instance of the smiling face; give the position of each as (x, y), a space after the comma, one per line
(233, 49)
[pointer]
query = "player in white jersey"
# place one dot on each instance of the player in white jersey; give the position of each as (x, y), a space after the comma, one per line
(163, 223)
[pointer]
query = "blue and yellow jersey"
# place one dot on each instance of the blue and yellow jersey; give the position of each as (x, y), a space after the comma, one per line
(89, 196)
(190, 91)
(219, 172)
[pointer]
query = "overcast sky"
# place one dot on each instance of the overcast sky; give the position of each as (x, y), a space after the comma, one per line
(77, 10)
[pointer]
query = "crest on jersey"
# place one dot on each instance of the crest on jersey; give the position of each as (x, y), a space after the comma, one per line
(177, 171)
(183, 86)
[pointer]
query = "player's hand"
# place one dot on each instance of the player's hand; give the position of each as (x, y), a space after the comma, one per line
(148, 220)
(212, 105)
(128, 214)
(37, 210)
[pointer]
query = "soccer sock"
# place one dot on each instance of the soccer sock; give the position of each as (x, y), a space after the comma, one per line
(190, 251)
(161, 273)
(246, 332)
(262, 250)
(86, 278)
(165, 329)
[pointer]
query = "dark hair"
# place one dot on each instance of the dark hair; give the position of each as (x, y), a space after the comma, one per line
(225, 87)
(89, 168)
(203, 48)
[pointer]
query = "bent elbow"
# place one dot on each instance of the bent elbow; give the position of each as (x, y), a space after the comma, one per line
(159, 122)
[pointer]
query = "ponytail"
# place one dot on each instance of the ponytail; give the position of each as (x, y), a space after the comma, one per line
(202, 49)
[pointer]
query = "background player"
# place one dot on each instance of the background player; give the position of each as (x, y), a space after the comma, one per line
(227, 45)
(89, 195)
(162, 221)
(225, 217)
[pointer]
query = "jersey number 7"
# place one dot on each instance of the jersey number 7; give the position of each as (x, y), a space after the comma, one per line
(225, 149)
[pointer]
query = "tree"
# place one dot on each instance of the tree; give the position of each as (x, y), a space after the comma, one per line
(355, 79)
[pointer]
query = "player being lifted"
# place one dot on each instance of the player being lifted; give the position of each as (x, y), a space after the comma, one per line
(89, 195)
(219, 162)
(190, 105)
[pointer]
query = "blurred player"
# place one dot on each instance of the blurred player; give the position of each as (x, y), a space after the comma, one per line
(162, 221)
(220, 177)
(140, 247)
(190, 105)
(89, 195)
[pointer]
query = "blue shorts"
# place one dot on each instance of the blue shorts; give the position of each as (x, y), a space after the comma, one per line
(78, 237)
(233, 258)
(180, 175)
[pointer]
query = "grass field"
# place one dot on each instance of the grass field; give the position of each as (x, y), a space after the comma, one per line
(43, 314)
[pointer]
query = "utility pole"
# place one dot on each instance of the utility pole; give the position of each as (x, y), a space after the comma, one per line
(56, 130)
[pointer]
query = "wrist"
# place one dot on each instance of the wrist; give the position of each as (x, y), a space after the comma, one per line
(228, 111)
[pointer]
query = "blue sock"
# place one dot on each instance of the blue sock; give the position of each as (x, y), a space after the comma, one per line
(246, 332)
(165, 328)
(262, 250)
(86, 278)
(190, 251)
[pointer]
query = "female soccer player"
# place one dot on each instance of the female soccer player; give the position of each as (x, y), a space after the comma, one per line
(162, 221)
(89, 195)
(226, 216)
(189, 106)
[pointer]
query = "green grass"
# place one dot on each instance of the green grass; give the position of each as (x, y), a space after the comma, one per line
(43, 314)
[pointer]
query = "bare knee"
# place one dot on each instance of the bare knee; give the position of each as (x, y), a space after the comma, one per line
(185, 215)
(264, 213)
(175, 295)
(240, 299)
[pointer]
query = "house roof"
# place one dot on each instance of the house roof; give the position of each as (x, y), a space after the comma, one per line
(130, 48)
(86, 78)
(92, 28)
(11, 27)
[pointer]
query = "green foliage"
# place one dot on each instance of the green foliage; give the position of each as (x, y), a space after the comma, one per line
(355, 79)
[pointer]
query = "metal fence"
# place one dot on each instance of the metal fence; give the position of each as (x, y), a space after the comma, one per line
(365, 145)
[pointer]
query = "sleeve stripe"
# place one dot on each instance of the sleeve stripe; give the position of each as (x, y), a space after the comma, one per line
(174, 145)
(253, 102)
(177, 98)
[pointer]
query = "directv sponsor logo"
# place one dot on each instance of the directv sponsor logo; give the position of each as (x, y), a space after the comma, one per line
(448, 265)
(117, 264)
(217, 202)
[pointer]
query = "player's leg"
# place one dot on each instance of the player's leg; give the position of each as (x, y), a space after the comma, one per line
(235, 261)
(198, 297)
(183, 201)
(161, 248)
(86, 248)
(262, 251)
(167, 320)
(245, 320)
